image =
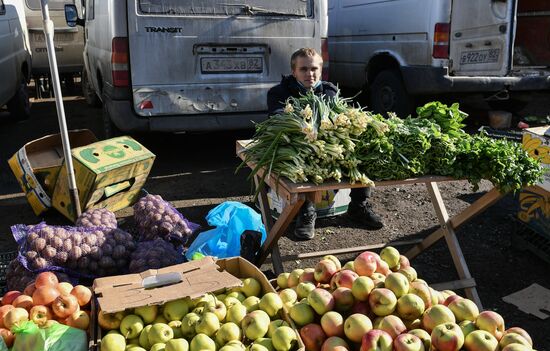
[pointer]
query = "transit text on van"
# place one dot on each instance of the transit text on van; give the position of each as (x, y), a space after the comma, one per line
(163, 29)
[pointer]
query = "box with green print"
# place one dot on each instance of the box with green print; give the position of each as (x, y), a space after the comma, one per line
(109, 174)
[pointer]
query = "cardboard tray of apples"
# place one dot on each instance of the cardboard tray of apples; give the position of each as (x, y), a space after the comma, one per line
(377, 302)
(47, 301)
(202, 311)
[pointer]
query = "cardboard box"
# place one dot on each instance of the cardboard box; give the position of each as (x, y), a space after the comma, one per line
(333, 203)
(37, 164)
(109, 174)
(199, 277)
(534, 209)
(536, 141)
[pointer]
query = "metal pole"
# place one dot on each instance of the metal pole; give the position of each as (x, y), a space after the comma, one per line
(48, 34)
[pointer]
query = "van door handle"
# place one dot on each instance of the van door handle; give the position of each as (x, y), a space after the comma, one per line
(488, 43)
(469, 45)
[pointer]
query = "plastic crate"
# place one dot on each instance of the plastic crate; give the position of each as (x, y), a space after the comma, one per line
(525, 238)
(5, 259)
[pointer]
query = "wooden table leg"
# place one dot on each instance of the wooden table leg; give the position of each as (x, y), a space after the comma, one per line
(452, 241)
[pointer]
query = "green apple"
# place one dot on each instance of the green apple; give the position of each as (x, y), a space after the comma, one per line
(303, 289)
(271, 303)
(208, 324)
(390, 255)
(160, 319)
(219, 310)
(147, 313)
(423, 336)
(133, 347)
(144, 337)
(178, 344)
(236, 343)
(230, 301)
(202, 342)
(255, 324)
(398, 283)
(176, 328)
(236, 313)
(175, 310)
(227, 332)
(131, 326)
(282, 280)
(205, 300)
(229, 348)
(274, 325)
(160, 333)
(333, 259)
(266, 344)
(361, 288)
(159, 346)
(302, 313)
(251, 303)
(238, 295)
(188, 325)
(350, 265)
(289, 296)
(113, 342)
(294, 277)
(134, 341)
(251, 287)
(221, 297)
(199, 310)
(284, 339)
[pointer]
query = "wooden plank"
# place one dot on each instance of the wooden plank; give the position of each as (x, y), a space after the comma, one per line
(455, 285)
(288, 214)
(426, 243)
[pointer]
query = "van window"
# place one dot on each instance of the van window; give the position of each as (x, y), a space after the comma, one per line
(52, 4)
(2, 7)
(298, 8)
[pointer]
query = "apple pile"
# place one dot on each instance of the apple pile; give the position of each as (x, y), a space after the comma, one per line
(235, 319)
(44, 302)
(377, 302)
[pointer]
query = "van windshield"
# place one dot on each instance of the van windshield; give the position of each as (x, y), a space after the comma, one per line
(52, 4)
(295, 8)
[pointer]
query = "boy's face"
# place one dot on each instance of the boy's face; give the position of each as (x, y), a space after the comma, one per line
(308, 70)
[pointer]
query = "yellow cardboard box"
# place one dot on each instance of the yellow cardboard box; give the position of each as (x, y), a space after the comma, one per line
(37, 164)
(536, 141)
(109, 174)
(534, 209)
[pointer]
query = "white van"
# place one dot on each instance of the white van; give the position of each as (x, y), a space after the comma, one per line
(68, 42)
(15, 59)
(185, 65)
(402, 48)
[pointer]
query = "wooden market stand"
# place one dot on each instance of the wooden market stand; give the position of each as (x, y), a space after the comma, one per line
(294, 195)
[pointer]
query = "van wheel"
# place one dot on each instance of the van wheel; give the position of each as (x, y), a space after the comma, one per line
(110, 130)
(88, 91)
(388, 94)
(19, 105)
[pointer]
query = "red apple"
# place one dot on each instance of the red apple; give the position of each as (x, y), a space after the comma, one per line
(45, 295)
(3, 310)
(450, 299)
(23, 301)
(313, 336)
(491, 322)
(64, 288)
(360, 307)
(82, 294)
(324, 270)
(343, 298)
(40, 314)
(392, 325)
(46, 279)
(335, 343)
(343, 279)
(333, 324)
(8, 337)
(308, 276)
(365, 264)
(407, 342)
(404, 262)
(376, 340)
(8, 297)
(65, 305)
(29, 290)
(382, 267)
(521, 332)
(447, 337)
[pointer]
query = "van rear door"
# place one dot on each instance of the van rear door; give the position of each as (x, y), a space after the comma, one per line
(481, 37)
(211, 56)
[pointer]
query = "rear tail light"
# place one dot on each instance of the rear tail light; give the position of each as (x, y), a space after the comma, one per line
(441, 40)
(324, 55)
(119, 62)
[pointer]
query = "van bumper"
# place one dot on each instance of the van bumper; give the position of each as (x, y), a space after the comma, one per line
(123, 116)
(434, 80)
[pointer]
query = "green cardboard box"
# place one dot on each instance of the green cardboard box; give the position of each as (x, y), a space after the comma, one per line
(109, 174)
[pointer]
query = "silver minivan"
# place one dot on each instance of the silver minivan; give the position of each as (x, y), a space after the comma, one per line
(184, 65)
(399, 49)
(15, 59)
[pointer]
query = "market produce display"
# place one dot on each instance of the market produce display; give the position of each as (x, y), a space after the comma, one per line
(315, 140)
(96, 218)
(377, 302)
(230, 320)
(44, 302)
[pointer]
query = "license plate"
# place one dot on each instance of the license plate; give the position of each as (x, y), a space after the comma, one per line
(232, 64)
(480, 56)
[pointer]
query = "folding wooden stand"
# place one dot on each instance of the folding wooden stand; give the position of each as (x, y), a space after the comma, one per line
(295, 194)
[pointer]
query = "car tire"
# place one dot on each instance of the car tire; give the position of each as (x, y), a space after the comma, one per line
(110, 130)
(388, 94)
(88, 91)
(19, 106)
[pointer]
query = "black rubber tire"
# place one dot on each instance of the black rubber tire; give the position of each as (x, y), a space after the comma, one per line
(88, 91)
(388, 94)
(110, 130)
(19, 105)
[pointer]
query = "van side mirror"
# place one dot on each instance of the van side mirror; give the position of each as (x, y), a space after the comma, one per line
(71, 16)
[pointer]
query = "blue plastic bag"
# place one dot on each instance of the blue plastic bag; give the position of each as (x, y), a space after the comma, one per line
(230, 218)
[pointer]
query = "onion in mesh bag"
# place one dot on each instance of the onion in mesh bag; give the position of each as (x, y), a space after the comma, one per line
(157, 218)
(154, 254)
(96, 218)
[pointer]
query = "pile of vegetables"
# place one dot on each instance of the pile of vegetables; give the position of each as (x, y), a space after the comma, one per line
(319, 139)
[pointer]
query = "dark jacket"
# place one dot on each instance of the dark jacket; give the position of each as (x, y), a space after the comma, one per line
(288, 87)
